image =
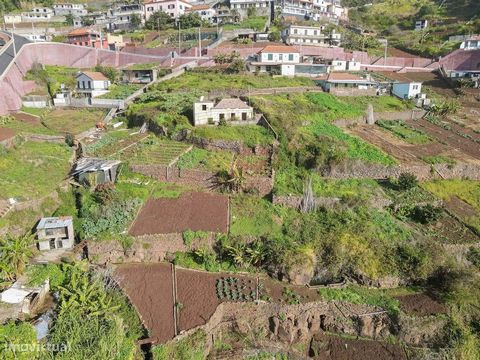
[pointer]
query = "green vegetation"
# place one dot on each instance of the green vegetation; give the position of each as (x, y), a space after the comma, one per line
(72, 121)
(33, 169)
(359, 295)
(189, 348)
(404, 132)
(250, 135)
(120, 91)
(204, 159)
(189, 236)
(15, 252)
(356, 147)
(18, 341)
(438, 160)
(50, 78)
(211, 80)
(466, 190)
(256, 23)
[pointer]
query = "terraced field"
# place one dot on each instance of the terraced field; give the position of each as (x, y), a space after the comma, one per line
(154, 152)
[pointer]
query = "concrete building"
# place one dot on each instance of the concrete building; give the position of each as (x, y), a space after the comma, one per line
(277, 60)
(262, 7)
(38, 14)
(69, 9)
(344, 65)
(328, 10)
(206, 12)
(309, 35)
(347, 84)
(12, 19)
(92, 84)
(472, 43)
(174, 8)
(406, 90)
(421, 24)
(209, 113)
(87, 37)
(121, 16)
(55, 233)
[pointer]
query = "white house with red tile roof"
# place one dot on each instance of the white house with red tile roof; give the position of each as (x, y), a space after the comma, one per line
(174, 8)
(209, 113)
(92, 84)
(276, 59)
(206, 12)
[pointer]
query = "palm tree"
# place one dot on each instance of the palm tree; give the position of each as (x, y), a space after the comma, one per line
(15, 254)
(232, 180)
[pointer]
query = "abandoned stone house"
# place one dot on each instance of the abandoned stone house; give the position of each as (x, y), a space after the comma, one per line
(209, 113)
(55, 233)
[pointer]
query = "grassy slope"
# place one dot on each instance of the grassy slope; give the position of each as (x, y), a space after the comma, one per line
(33, 169)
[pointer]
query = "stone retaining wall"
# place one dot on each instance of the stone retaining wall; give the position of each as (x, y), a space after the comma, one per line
(357, 169)
(353, 92)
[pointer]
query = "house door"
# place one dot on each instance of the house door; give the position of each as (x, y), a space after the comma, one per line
(244, 116)
(232, 116)
(52, 244)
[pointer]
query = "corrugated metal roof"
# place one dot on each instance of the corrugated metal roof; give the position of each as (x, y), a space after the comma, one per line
(54, 222)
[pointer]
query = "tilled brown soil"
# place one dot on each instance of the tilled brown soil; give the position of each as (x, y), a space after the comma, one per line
(330, 347)
(466, 145)
(32, 119)
(420, 305)
(192, 211)
(196, 293)
(150, 290)
(460, 208)
(6, 134)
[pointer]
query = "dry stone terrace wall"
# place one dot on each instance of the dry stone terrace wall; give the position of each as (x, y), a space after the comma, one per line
(350, 170)
(13, 87)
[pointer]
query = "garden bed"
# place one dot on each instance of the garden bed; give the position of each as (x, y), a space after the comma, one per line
(420, 305)
(192, 211)
(333, 347)
(149, 289)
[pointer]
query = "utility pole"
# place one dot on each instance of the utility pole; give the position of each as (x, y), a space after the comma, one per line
(199, 42)
(179, 41)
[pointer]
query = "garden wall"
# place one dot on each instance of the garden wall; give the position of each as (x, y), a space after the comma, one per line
(358, 169)
(413, 114)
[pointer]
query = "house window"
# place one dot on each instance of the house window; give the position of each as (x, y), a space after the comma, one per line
(78, 84)
(204, 107)
(83, 84)
(222, 116)
(59, 244)
(270, 57)
(52, 244)
(89, 85)
(290, 57)
(415, 87)
(232, 116)
(280, 57)
(49, 232)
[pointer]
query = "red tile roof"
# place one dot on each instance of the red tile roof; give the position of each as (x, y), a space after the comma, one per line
(232, 103)
(279, 49)
(199, 7)
(81, 31)
(336, 76)
(94, 75)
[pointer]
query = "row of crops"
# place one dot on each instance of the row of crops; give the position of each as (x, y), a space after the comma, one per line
(235, 289)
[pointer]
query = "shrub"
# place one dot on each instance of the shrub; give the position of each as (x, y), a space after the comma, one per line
(407, 181)
(473, 256)
(426, 214)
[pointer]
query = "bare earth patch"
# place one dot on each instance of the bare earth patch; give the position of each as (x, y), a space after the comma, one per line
(420, 305)
(192, 211)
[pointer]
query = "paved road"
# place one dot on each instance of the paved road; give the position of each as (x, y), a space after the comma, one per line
(6, 56)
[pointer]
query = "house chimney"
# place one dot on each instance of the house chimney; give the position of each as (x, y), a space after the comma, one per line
(201, 98)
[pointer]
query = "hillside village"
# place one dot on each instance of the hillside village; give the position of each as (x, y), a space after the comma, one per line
(244, 179)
